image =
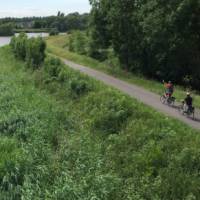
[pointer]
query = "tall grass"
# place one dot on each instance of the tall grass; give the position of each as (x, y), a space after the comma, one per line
(93, 144)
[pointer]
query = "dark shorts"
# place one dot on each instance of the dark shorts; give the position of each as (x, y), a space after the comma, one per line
(168, 94)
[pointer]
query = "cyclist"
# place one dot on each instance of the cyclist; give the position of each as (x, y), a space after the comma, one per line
(169, 89)
(189, 102)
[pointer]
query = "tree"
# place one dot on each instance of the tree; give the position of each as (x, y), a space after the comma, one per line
(157, 38)
(6, 29)
(18, 45)
(35, 52)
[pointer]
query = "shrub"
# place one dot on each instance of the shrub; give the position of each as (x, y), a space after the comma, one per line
(113, 112)
(78, 42)
(53, 66)
(35, 52)
(18, 45)
(53, 32)
(6, 29)
(31, 50)
(64, 74)
(79, 87)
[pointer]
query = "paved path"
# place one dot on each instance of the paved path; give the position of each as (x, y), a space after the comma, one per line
(137, 92)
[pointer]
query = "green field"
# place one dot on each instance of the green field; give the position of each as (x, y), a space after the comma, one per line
(67, 136)
(58, 45)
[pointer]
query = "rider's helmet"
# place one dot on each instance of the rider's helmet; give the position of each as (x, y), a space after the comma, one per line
(188, 94)
(169, 82)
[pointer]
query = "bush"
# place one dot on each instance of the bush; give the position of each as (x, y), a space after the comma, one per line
(53, 66)
(78, 42)
(18, 45)
(79, 87)
(64, 74)
(35, 52)
(6, 30)
(30, 50)
(53, 32)
(113, 112)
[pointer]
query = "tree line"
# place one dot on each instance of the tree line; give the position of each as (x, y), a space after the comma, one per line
(58, 23)
(62, 22)
(156, 38)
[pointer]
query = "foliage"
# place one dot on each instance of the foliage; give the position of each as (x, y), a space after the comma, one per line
(60, 22)
(35, 52)
(78, 42)
(30, 50)
(64, 75)
(53, 66)
(158, 39)
(113, 113)
(56, 70)
(79, 87)
(58, 45)
(6, 29)
(18, 45)
(70, 147)
(53, 31)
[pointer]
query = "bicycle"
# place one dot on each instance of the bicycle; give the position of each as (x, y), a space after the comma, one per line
(184, 109)
(166, 99)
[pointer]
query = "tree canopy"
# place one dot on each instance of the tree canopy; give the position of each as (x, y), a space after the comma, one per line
(160, 39)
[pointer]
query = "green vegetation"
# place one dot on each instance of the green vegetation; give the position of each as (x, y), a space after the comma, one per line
(18, 45)
(60, 45)
(60, 22)
(30, 50)
(64, 134)
(159, 39)
(53, 32)
(78, 42)
(6, 29)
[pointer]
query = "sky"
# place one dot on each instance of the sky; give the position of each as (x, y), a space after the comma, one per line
(23, 8)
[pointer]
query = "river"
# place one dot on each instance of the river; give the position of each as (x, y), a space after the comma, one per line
(6, 40)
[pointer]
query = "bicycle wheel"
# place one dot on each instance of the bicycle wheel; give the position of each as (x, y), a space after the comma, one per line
(163, 99)
(180, 109)
(173, 100)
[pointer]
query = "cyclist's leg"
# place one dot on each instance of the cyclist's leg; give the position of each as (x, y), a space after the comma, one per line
(185, 108)
(191, 108)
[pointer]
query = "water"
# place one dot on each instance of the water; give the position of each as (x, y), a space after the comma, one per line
(6, 40)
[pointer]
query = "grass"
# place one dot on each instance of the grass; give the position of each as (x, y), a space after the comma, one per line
(58, 45)
(64, 134)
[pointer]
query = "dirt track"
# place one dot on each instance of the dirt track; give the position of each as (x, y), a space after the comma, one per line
(139, 93)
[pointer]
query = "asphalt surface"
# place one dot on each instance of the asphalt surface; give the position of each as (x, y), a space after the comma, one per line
(139, 93)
